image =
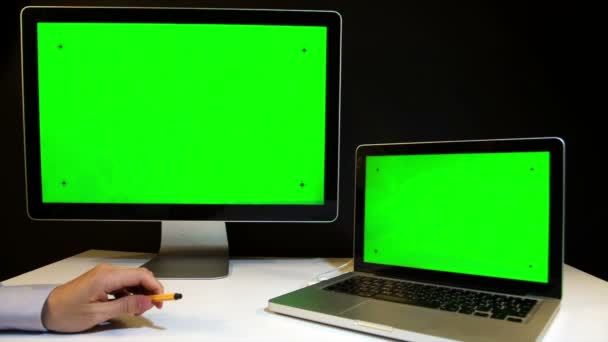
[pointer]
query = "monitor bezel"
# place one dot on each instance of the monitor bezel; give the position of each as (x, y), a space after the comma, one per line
(39, 210)
(555, 146)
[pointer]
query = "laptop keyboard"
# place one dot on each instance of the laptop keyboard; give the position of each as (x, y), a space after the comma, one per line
(482, 304)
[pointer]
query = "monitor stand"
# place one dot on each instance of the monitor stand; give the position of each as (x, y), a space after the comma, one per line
(191, 250)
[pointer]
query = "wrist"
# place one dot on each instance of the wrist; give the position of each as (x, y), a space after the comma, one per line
(48, 311)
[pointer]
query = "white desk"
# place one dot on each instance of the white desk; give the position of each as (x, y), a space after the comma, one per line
(233, 309)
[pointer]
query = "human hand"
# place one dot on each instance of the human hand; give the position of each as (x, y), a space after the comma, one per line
(83, 302)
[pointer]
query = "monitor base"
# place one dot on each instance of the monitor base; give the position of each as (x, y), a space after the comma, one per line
(191, 250)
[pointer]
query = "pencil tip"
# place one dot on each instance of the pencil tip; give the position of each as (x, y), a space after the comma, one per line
(177, 296)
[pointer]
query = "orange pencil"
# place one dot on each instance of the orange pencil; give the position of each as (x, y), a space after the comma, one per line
(165, 296)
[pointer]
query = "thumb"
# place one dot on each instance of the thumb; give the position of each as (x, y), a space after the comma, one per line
(127, 305)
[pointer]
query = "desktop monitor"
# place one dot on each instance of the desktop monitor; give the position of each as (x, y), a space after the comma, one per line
(191, 117)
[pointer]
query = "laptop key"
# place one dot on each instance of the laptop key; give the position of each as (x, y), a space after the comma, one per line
(498, 315)
(485, 308)
(466, 310)
(448, 307)
(429, 304)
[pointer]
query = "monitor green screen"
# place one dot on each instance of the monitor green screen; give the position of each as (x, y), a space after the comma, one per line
(160, 113)
(484, 214)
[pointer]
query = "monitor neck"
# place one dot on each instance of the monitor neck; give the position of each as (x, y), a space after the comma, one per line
(191, 250)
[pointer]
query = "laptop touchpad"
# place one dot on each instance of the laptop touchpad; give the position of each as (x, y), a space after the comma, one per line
(394, 315)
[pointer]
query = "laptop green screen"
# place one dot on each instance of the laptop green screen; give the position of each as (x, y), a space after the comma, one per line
(159, 113)
(484, 214)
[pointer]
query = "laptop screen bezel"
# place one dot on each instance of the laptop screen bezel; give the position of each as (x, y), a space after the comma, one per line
(556, 148)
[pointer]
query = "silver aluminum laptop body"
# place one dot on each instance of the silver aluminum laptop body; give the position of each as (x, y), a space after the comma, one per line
(415, 323)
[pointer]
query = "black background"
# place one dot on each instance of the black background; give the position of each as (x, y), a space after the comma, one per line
(412, 71)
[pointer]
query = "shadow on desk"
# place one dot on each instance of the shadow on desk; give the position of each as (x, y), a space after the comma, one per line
(125, 322)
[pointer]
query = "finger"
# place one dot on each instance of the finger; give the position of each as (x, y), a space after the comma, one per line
(136, 290)
(121, 293)
(139, 290)
(129, 305)
(119, 279)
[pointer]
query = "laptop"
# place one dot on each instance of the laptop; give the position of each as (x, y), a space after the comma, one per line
(453, 241)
